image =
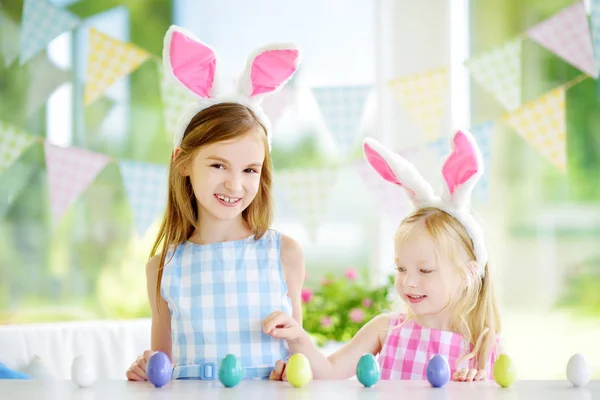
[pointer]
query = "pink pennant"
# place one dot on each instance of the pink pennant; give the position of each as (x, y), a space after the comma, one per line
(567, 34)
(391, 198)
(271, 69)
(70, 171)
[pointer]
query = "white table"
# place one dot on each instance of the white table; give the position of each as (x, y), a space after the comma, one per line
(263, 390)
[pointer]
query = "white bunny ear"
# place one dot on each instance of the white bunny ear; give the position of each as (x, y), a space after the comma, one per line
(189, 61)
(268, 70)
(462, 169)
(399, 171)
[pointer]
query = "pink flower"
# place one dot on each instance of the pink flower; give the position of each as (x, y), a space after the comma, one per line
(357, 315)
(351, 274)
(366, 303)
(306, 295)
(326, 322)
(326, 281)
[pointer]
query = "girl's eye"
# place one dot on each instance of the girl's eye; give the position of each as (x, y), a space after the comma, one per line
(251, 171)
(218, 166)
(400, 269)
(426, 271)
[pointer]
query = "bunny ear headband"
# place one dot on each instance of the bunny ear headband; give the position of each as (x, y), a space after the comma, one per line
(462, 169)
(193, 65)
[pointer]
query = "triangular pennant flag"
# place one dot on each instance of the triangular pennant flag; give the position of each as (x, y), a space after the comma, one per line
(70, 171)
(342, 110)
(108, 60)
(13, 142)
(483, 136)
(423, 95)
(276, 104)
(440, 147)
(13, 183)
(146, 189)
(542, 124)
(9, 39)
(499, 72)
(42, 22)
(595, 20)
(307, 191)
(390, 198)
(567, 34)
(45, 78)
(175, 100)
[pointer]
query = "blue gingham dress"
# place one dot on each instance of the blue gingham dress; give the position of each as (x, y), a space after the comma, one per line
(218, 294)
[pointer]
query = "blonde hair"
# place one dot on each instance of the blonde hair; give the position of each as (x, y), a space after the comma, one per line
(221, 122)
(474, 312)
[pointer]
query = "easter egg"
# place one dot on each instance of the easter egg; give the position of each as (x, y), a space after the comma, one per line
(159, 369)
(298, 370)
(438, 371)
(367, 370)
(505, 372)
(230, 371)
(578, 370)
(82, 372)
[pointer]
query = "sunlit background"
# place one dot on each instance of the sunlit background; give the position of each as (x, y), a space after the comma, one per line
(519, 74)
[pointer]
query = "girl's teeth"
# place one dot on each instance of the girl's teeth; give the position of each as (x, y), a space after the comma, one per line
(227, 199)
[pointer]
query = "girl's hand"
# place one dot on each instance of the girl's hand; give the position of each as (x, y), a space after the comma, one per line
(137, 370)
(469, 375)
(278, 373)
(282, 326)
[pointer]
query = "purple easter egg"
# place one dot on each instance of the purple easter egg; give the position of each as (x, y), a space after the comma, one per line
(438, 371)
(159, 369)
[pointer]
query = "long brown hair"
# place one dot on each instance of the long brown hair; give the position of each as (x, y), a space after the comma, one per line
(474, 312)
(220, 122)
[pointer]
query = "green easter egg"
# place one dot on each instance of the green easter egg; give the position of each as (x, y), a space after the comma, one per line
(367, 370)
(505, 373)
(298, 370)
(230, 371)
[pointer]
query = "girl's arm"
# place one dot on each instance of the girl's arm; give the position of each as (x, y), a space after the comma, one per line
(292, 261)
(342, 363)
(161, 317)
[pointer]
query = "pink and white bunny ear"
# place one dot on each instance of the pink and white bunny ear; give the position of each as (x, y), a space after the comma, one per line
(395, 169)
(269, 70)
(189, 61)
(462, 169)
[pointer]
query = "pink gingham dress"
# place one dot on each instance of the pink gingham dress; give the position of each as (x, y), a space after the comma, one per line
(408, 348)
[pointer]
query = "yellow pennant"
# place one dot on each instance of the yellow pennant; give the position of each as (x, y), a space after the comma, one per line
(424, 96)
(108, 60)
(542, 123)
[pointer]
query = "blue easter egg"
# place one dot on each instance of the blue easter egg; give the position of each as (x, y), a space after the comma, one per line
(438, 371)
(230, 371)
(159, 369)
(367, 370)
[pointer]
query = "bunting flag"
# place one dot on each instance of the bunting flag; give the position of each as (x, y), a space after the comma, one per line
(45, 78)
(276, 104)
(567, 34)
(70, 171)
(13, 143)
(483, 136)
(499, 72)
(108, 60)
(175, 100)
(390, 198)
(41, 23)
(13, 183)
(9, 39)
(440, 147)
(307, 191)
(146, 189)
(342, 110)
(542, 123)
(424, 95)
(595, 20)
